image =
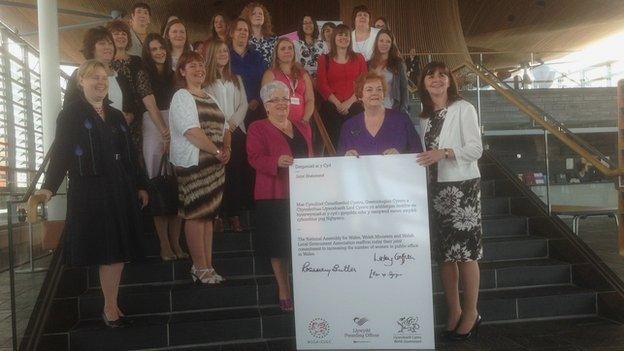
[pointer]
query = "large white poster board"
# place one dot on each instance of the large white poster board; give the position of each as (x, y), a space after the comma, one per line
(361, 257)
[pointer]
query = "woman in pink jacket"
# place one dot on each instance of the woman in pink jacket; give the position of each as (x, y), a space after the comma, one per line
(272, 143)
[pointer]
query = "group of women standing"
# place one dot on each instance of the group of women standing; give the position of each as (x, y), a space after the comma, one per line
(232, 115)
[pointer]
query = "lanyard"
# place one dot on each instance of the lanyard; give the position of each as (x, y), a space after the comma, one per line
(290, 83)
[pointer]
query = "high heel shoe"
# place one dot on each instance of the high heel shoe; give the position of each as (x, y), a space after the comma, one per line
(474, 331)
(446, 334)
(117, 323)
(286, 305)
(167, 257)
(205, 276)
(181, 255)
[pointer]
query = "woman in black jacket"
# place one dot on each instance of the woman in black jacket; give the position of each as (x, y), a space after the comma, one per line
(106, 186)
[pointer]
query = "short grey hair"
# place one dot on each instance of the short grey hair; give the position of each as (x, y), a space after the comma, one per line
(267, 91)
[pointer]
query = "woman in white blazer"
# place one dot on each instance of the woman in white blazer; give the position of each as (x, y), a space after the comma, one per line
(452, 142)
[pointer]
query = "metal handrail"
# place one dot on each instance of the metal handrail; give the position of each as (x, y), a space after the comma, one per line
(550, 124)
(549, 119)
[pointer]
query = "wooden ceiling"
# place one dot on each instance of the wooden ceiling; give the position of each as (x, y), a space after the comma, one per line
(520, 26)
(537, 26)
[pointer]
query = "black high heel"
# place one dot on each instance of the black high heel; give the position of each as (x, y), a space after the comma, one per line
(117, 323)
(474, 331)
(446, 334)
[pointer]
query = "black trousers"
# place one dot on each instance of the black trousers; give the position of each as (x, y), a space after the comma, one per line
(239, 177)
(333, 119)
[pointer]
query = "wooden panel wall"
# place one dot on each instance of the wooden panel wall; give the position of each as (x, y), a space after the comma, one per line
(424, 26)
(285, 14)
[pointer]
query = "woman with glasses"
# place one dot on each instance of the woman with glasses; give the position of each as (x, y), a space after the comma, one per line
(272, 144)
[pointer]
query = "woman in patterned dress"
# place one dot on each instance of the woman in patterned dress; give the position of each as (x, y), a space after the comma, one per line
(453, 144)
(309, 46)
(262, 38)
(200, 148)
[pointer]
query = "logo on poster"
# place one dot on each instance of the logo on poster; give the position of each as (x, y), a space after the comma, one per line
(408, 332)
(318, 328)
(361, 333)
(408, 325)
(360, 321)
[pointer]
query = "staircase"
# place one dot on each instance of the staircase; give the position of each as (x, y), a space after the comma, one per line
(532, 269)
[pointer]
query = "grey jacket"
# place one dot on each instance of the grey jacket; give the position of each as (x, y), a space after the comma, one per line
(399, 90)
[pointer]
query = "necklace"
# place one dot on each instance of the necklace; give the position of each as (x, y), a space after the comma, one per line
(285, 128)
(99, 110)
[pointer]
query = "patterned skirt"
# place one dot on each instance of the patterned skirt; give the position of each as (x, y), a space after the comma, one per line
(455, 212)
(200, 188)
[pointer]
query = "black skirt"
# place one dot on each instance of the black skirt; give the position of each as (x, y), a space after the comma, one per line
(272, 235)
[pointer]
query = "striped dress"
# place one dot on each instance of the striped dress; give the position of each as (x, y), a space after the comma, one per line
(200, 187)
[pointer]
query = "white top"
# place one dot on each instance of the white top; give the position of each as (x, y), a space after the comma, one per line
(389, 76)
(174, 63)
(233, 101)
(461, 133)
(365, 47)
(114, 92)
(137, 46)
(183, 116)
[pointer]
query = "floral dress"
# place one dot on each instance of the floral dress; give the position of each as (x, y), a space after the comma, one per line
(454, 208)
(308, 54)
(265, 47)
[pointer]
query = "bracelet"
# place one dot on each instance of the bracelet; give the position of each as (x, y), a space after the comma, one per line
(446, 153)
(218, 152)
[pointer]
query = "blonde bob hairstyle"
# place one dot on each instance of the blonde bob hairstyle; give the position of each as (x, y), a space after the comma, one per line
(369, 77)
(87, 68)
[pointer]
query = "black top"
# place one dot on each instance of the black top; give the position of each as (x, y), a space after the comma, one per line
(163, 88)
(297, 144)
(133, 71)
(90, 149)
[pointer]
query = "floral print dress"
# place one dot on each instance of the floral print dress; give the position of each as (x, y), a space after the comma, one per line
(265, 47)
(308, 54)
(454, 208)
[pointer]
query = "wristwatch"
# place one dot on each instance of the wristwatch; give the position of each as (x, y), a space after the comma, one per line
(446, 153)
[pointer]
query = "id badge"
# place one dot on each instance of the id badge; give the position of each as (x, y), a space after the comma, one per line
(295, 101)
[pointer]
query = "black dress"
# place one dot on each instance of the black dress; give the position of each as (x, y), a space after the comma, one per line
(134, 73)
(272, 234)
(103, 223)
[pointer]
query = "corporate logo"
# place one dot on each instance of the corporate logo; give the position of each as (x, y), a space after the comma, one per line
(361, 333)
(318, 328)
(360, 321)
(408, 325)
(408, 331)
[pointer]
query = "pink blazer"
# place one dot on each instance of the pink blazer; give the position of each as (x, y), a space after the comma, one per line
(265, 144)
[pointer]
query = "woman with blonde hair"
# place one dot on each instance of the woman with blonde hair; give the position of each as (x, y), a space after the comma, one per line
(262, 38)
(92, 146)
(228, 89)
(286, 70)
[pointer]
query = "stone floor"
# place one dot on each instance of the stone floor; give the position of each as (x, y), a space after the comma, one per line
(579, 334)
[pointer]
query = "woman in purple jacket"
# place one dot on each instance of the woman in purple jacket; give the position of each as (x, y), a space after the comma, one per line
(377, 130)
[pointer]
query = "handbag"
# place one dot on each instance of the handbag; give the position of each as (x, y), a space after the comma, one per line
(163, 190)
